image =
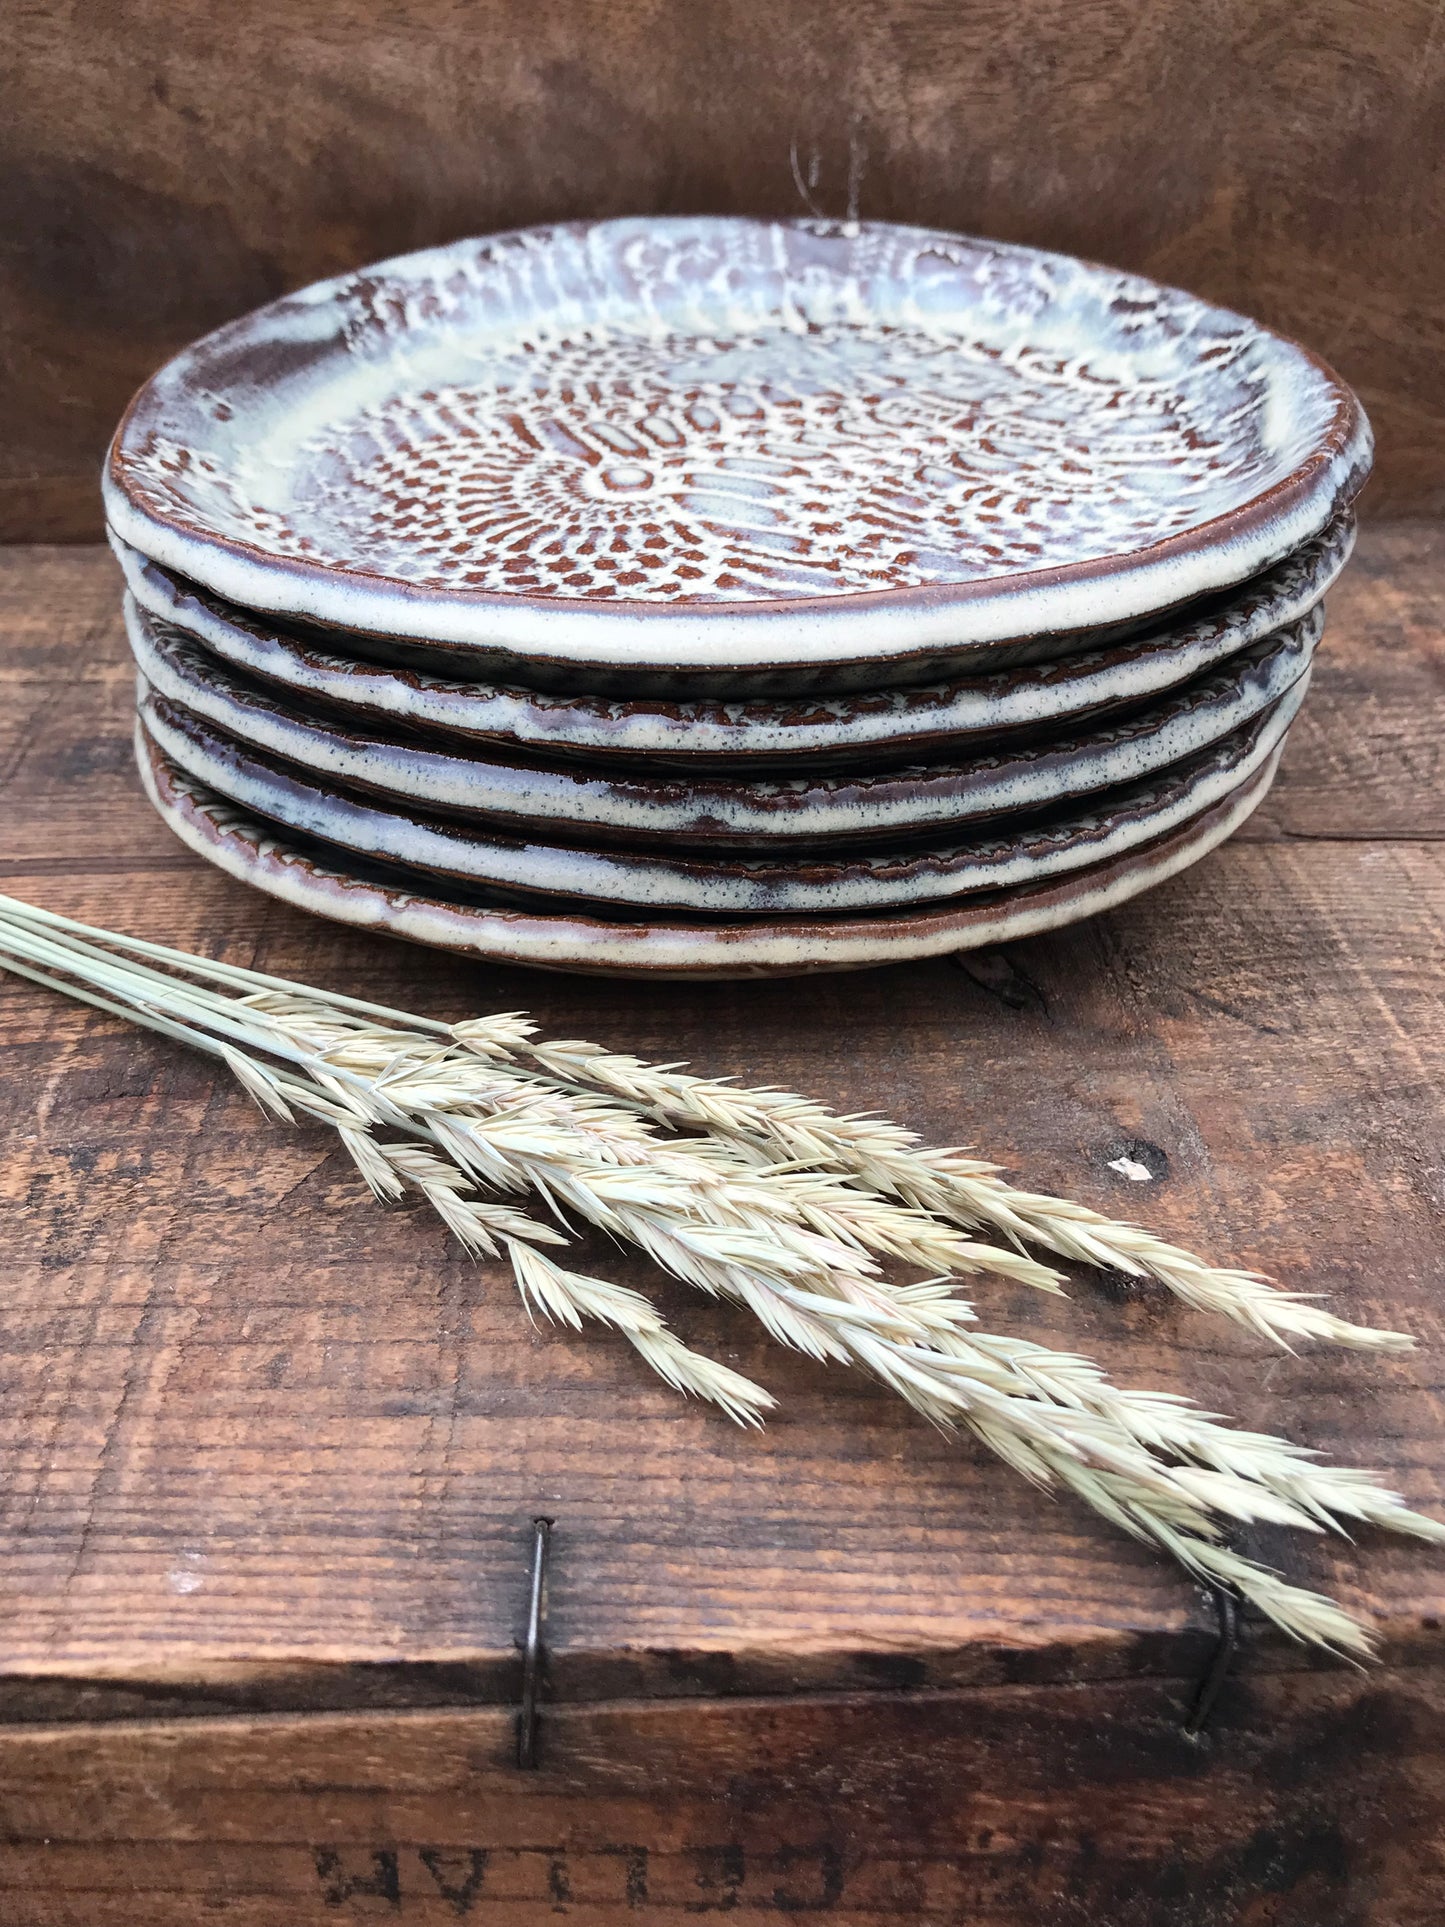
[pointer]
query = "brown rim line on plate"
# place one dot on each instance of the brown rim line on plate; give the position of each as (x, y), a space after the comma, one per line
(569, 801)
(892, 723)
(732, 448)
(624, 883)
(251, 852)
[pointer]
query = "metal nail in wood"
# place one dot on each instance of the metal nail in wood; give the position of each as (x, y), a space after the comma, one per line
(1226, 1608)
(532, 1651)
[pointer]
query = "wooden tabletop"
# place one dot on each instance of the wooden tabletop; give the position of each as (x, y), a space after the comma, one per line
(268, 1445)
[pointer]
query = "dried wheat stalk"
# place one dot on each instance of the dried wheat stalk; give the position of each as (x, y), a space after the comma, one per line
(884, 1159)
(773, 1203)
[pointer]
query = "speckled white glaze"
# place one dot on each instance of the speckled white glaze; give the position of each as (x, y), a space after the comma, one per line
(847, 729)
(571, 802)
(1004, 856)
(718, 443)
(251, 851)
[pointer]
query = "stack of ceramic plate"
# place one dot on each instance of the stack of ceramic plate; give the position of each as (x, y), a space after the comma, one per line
(721, 596)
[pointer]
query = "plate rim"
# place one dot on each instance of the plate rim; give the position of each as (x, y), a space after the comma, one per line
(1124, 816)
(631, 808)
(918, 935)
(1056, 601)
(1101, 677)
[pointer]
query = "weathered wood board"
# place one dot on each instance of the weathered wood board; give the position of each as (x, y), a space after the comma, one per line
(1316, 1802)
(269, 1454)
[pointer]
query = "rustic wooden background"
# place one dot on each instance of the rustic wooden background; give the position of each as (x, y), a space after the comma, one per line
(166, 164)
(269, 1454)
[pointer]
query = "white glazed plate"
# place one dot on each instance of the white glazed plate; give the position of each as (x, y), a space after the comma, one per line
(251, 851)
(1004, 855)
(873, 727)
(571, 803)
(693, 452)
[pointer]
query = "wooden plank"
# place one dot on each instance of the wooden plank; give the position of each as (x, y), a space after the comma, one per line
(163, 169)
(1367, 756)
(264, 1445)
(1316, 1801)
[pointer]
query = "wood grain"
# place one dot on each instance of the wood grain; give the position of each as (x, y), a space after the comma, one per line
(267, 1445)
(1315, 1802)
(269, 1454)
(164, 166)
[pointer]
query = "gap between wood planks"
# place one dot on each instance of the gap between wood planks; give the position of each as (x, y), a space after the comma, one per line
(281, 1718)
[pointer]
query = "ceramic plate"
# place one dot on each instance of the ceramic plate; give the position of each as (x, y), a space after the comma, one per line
(570, 803)
(251, 850)
(719, 448)
(877, 727)
(1005, 856)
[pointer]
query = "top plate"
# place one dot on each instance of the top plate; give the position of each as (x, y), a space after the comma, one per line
(724, 445)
